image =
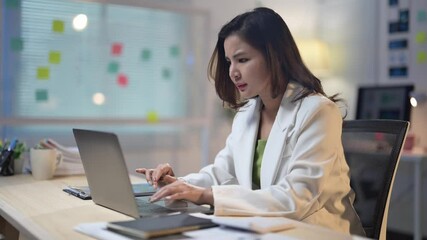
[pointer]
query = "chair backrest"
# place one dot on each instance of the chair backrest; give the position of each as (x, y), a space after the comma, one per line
(372, 149)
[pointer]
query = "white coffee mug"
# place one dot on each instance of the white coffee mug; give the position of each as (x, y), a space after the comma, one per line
(44, 162)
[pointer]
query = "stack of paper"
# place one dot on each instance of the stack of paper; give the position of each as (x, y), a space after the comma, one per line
(70, 165)
(71, 161)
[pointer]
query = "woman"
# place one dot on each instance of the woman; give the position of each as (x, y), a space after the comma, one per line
(283, 156)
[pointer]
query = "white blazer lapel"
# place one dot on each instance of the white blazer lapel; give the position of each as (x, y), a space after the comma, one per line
(277, 140)
(246, 145)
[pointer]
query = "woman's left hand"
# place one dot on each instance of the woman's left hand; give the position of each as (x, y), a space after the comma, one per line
(180, 190)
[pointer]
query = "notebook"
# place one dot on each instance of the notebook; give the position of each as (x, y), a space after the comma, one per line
(154, 227)
(108, 178)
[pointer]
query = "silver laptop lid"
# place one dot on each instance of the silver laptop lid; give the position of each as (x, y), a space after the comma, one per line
(106, 170)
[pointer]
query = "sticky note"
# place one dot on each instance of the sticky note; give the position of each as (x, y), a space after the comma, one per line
(122, 80)
(421, 16)
(41, 95)
(152, 117)
(54, 57)
(166, 73)
(58, 26)
(116, 49)
(174, 51)
(146, 54)
(16, 44)
(113, 67)
(13, 3)
(43, 73)
(420, 37)
(421, 57)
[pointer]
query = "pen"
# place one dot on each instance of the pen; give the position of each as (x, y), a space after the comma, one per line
(174, 213)
(12, 145)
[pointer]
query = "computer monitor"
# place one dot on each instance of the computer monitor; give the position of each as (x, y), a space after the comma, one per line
(384, 102)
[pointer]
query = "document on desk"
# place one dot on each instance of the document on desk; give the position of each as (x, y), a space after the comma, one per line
(233, 234)
(99, 230)
(256, 224)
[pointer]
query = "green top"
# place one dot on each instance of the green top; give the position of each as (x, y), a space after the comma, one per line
(256, 168)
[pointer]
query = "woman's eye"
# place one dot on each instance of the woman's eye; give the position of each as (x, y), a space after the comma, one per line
(242, 60)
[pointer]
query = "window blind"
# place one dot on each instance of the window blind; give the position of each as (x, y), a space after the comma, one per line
(129, 62)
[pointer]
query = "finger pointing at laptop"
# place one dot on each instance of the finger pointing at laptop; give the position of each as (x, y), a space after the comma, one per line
(156, 175)
(172, 188)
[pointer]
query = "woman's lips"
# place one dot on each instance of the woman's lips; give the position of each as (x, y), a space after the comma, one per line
(241, 86)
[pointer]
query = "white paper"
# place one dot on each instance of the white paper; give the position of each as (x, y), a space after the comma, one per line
(221, 233)
(257, 224)
(233, 234)
(99, 230)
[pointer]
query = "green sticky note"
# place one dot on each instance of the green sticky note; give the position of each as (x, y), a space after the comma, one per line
(420, 37)
(152, 117)
(113, 67)
(41, 95)
(421, 16)
(145, 54)
(16, 44)
(13, 3)
(58, 26)
(43, 73)
(174, 51)
(166, 73)
(54, 57)
(421, 57)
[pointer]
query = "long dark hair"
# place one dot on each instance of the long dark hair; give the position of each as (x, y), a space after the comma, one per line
(266, 31)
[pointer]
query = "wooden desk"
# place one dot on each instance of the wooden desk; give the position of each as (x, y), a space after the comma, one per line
(41, 210)
(34, 209)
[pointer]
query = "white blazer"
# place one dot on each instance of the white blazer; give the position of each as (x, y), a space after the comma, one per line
(304, 174)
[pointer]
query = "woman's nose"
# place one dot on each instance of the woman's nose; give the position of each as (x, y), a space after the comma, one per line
(234, 73)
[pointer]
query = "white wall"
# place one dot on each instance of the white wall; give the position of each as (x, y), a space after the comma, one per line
(349, 29)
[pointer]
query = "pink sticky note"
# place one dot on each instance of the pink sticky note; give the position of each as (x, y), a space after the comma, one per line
(122, 80)
(116, 49)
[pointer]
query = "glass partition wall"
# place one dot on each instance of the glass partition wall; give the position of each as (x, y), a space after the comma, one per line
(138, 70)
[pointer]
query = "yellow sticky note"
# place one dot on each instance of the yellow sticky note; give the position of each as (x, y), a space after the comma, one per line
(421, 57)
(420, 37)
(54, 57)
(152, 117)
(43, 73)
(58, 26)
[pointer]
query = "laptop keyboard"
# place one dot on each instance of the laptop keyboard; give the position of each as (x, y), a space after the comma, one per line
(146, 207)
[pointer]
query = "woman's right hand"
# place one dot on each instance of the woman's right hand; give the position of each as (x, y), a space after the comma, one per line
(155, 176)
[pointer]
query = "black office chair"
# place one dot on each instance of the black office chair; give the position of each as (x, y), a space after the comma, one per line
(372, 149)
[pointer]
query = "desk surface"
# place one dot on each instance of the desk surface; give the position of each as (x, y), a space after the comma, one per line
(41, 210)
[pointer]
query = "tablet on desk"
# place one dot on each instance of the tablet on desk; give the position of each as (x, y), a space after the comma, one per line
(83, 192)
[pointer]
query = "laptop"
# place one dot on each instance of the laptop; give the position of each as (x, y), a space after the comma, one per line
(109, 182)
